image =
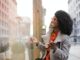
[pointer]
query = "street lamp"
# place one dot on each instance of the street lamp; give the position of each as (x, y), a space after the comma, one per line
(43, 30)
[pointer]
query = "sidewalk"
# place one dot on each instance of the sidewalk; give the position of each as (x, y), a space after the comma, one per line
(74, 52)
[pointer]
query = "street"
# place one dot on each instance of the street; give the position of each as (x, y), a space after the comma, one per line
(74, 52)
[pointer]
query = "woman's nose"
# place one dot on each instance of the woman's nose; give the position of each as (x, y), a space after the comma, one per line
(52, 20)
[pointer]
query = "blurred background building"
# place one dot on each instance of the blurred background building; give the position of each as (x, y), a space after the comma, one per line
(23, 27)
(19, 49)
(74, 10)
(7, 22)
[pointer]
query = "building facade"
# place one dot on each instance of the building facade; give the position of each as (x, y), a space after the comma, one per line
(7, 20)
(23, 32)
(74, 10)
(23, 27)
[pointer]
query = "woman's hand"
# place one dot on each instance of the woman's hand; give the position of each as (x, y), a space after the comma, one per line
(34, 40)
(46, 46)
(53, 46)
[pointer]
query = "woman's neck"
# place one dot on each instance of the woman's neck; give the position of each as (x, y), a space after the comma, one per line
(55, 29)
(52, 30)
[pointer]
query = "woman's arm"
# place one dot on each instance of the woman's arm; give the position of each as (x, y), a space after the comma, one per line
(63, 52)
(40, 44)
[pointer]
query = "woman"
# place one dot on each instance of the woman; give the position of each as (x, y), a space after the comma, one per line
(55, 44)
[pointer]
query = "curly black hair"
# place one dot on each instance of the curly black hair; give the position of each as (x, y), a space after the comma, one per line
(65, 22)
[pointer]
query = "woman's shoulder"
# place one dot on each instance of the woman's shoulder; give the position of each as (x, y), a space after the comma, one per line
(66, 39)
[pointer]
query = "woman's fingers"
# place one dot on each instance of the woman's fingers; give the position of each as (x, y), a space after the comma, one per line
(46, 46)
(34, 40)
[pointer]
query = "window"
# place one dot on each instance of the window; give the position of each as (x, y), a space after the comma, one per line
(79, 14)
(69, 1)
(77, 1)
(79, 6)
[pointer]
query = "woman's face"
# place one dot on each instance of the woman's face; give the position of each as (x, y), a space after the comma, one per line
(54, 22)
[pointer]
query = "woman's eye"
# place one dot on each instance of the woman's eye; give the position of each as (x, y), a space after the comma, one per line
(54, 19)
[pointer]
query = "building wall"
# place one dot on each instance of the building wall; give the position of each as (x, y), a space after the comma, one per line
(23, 31)
(7, 17)
(23, 26)
(7, 21)
(74, 10)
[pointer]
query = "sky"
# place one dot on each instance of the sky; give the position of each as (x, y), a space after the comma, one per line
(24, 8)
